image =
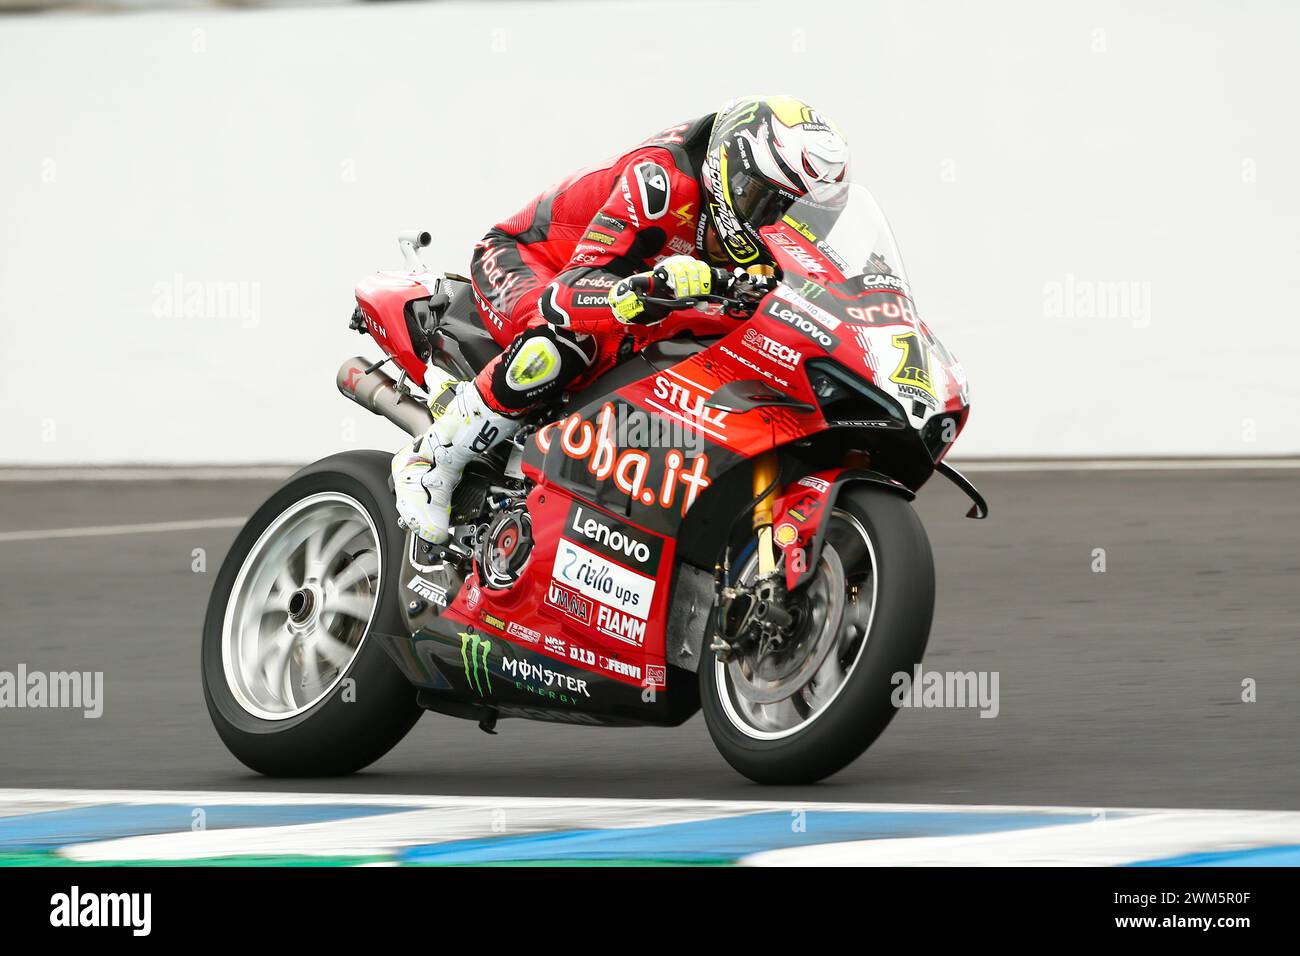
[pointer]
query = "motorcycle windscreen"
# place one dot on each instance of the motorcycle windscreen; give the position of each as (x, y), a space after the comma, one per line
(890, 345)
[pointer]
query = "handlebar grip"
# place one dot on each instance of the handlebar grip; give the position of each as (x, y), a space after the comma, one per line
(720, 280)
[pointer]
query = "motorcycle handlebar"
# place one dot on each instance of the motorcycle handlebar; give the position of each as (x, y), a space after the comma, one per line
(644, 287)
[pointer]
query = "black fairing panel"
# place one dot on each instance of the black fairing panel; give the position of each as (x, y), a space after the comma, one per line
(471, 346)
(653, 358)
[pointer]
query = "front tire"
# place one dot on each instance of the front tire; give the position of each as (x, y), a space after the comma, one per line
(295, 682)
(792, 724)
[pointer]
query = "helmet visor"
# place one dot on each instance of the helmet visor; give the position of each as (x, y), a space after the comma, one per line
(758, 202)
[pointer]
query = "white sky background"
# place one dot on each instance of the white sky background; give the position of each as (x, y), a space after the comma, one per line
(1022, 151)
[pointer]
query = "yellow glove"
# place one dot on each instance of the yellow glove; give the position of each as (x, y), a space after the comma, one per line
(626, 304)
(687, 276)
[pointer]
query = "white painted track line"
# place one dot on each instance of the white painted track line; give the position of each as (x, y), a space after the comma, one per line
(1030, 838)
(417, 800)
(1133, 464)
(1112, 840)
(84, 473)
(143, 473)
(100, 531)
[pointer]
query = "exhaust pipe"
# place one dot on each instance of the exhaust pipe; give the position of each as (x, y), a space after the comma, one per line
(377, 392)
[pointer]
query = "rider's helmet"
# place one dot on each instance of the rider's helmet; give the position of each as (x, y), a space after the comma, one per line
(765, 154)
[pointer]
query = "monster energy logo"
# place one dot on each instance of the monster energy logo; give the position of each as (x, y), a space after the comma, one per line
(742, 115)
(474, 650)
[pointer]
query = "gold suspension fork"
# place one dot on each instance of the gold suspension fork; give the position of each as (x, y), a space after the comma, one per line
(766, 469)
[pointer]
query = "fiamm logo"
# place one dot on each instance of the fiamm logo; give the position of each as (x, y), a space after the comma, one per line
(474, 650)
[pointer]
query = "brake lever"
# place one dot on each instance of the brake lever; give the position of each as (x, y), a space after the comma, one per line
(731, 305)
(689, 302)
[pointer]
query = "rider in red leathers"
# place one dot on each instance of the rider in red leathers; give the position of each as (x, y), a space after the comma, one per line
(549, 281)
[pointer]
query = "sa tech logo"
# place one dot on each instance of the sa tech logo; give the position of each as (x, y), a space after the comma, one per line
(474, 650)
(778, 352)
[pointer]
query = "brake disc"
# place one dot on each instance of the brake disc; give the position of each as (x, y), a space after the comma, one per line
(780, 673)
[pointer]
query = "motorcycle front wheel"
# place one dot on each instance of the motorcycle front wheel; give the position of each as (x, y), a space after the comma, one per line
(295, 683)
(800, 709)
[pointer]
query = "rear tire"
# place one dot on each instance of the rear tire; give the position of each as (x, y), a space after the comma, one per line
(835, 732)
(309, 712)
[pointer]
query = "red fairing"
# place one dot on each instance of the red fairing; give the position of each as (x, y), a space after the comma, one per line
(796, 517)
(596, 587)
(595, 592)
(607, 504)
(679, 394)
(382, 298)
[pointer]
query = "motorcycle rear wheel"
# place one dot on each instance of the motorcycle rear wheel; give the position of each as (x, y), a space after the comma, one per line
(295, 683)
(872, 599)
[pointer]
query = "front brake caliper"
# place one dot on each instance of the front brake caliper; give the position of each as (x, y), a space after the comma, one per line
(751, 614)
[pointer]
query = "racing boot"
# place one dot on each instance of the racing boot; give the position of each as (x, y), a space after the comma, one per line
(427, 471)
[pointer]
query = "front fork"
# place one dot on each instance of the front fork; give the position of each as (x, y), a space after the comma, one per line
(756, 607)
(766, 472)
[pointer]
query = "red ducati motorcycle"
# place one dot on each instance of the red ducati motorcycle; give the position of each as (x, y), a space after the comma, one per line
(718, 524)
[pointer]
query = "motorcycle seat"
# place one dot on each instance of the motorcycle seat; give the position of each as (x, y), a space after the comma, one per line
(462, 323)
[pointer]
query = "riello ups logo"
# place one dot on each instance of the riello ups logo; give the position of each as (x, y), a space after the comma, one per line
(474, 650)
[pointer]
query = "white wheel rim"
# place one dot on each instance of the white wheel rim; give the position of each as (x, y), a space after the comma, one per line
(783, 719)
(301, 606)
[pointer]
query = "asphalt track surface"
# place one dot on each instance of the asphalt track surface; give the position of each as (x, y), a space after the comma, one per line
(1120, 688)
